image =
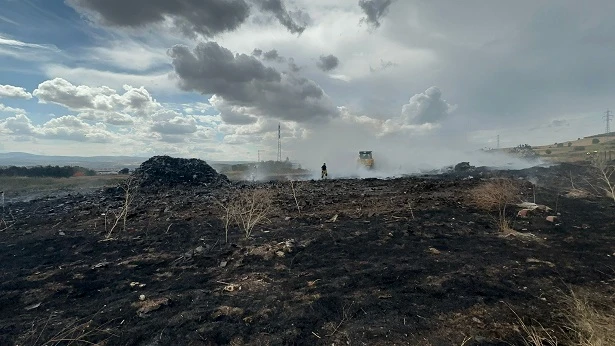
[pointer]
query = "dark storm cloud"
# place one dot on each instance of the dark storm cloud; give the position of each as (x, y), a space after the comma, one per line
(277, 8)
(245, 84)
(257, 52)
(374, 10)
(273, 55)
(328, 63)
(510, 62)
(209, 17)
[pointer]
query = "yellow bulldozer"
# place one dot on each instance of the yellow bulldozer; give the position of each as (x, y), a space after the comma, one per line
(365, 159)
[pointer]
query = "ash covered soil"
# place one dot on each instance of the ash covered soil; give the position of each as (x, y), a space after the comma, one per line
(405, 261)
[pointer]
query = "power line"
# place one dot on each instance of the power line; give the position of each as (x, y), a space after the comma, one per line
(608, 117)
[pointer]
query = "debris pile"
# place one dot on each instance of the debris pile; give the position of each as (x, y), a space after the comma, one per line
(463, 166)
(166, 171)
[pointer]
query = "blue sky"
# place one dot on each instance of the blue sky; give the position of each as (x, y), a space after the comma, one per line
(156, 77)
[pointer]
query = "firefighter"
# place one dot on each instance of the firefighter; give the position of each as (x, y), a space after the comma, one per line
(323, 171)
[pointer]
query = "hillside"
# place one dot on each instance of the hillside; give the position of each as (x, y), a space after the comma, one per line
(576, 150)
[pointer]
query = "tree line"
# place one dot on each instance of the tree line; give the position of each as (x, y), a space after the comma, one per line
(46, 171)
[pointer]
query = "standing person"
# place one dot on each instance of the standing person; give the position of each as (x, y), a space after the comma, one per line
(323, 172)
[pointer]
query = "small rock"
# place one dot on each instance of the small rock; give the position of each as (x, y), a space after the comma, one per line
(223, 263)
(287, 218)
(142, 297)
(61, 233)
(477, 320)
(280, 253)
(199, 249)
(434, 251)
(551, 218)
(523, 213)
(137, 284)
(33, 306)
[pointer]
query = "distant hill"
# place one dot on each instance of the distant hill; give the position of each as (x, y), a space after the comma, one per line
(576, 150)
(92, 162)
(99, 163)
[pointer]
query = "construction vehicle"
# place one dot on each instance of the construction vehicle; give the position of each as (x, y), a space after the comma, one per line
(365, 159)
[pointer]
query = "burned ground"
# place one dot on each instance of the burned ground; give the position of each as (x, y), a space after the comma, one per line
(405, 261)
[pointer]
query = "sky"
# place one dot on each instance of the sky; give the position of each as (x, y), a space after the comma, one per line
(413, 80)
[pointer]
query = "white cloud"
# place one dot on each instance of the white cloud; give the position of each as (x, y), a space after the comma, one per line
(134, 101)
(7, 109)
(63, 128)
(176, 126)
(426, 107)
(5, 41)
(128, 55)
(27, 51)
(10, 91)
(161, 82)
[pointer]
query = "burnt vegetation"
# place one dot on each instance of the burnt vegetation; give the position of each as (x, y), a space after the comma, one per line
(179, 255)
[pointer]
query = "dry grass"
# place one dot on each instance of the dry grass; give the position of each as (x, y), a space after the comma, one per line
(247, 209)
(495, 196)
(536, 336)
(14, 186)
(590, 318)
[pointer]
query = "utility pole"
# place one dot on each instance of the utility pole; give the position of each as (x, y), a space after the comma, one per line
(608, 117)
(279, 144)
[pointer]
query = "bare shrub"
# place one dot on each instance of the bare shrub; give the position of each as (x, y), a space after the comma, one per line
(590, 318)
(129, 187)
(604, 172)
(247, 209)
(495, 196)
(294, 190)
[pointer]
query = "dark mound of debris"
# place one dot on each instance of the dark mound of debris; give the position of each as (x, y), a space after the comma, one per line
(463, 166)
(166, 171)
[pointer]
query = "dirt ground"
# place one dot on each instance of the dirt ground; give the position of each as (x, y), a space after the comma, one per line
(405, 261)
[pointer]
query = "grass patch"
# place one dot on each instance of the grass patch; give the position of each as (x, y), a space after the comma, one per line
(496, 196)
(19, 186)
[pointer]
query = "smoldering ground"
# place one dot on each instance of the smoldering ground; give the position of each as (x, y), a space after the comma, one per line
(397, 149)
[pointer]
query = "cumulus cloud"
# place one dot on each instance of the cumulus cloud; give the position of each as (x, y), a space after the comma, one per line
(10, 91)
(374, 11)
(233, 115)
(176, 126)
(111, 118)
(8, 109)
(208, 18)
(18, 125)
(328, 62)
(426, 108)
(243, 82)
(134, 101)
(63, 128)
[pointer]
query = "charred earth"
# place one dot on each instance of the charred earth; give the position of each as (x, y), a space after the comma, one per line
(405, 261)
